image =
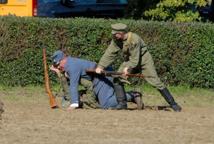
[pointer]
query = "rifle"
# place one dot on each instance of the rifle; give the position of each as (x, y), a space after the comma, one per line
(113, 73)
(47, 84)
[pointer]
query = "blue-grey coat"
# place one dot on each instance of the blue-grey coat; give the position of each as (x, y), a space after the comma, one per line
(102, 86)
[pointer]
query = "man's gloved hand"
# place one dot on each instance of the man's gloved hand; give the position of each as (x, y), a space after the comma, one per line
(73, 106)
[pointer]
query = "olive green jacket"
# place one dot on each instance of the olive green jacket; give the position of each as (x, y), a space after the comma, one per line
(132, 50)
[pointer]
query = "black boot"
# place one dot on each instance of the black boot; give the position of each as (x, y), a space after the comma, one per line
(135, 97)
(170, 100)
(120, 95)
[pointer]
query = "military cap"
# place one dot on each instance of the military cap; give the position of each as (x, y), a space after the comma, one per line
(57, 57)
(119, 27)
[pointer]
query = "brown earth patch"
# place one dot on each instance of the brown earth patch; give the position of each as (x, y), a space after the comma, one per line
(28, 119)
(1, 108)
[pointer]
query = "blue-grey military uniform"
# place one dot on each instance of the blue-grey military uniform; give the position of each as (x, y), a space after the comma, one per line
(102, 86)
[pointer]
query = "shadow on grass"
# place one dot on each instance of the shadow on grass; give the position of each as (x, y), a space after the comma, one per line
(154, 108)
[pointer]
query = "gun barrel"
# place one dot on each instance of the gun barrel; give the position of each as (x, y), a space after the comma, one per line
(113, 73)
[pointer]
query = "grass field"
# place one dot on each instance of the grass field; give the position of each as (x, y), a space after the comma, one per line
(28, 119)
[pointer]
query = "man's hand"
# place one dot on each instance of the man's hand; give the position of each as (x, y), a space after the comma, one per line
(56, 70)
(125, 71)
(99, 70)
(73, 107)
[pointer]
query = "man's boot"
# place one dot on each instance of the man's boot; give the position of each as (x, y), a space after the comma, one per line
(121, 96)
(135, 97)
(170, 100)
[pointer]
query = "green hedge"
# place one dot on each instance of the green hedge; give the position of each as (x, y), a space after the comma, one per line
(183, 52)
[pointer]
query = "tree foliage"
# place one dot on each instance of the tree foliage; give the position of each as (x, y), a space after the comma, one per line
(176, 10)
(136, 8)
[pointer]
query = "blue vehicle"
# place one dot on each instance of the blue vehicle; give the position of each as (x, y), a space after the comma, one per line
(207, 12)
(68, 8)
(63, 8)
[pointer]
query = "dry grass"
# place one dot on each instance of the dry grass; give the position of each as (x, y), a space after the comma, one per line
(28, 119)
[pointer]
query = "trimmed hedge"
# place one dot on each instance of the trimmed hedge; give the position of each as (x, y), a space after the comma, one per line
(183, 52)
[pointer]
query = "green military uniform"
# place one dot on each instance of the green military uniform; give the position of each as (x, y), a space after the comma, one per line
(87, 97)
(136, 57)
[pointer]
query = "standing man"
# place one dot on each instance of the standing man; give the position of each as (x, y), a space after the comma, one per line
(103, 89)
(136, 58)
